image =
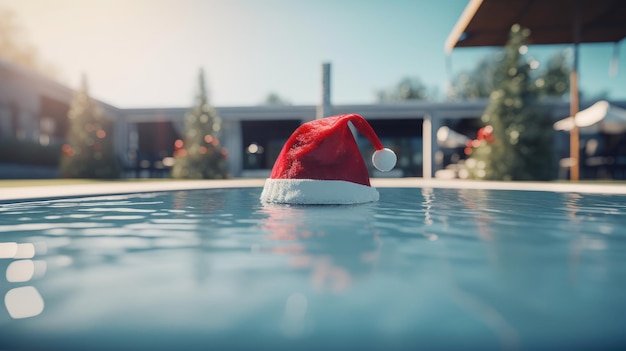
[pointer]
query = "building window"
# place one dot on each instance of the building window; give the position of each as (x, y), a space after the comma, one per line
(5, 121)
(404, 137)
(53, 121)
(155, 141)
(263, 140)
(46, 130)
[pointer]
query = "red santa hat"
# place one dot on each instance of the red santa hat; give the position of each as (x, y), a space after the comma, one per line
(321, 164)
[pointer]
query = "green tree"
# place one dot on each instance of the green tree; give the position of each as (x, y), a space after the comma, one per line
(274, 99)
(200, 155)
(481, 81)
(522, 130)
(408, 88)
(478, 83)
(89, 151)
(554, 80)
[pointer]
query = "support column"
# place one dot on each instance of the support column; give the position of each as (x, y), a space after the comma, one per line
(429, 145)
(574, 100)
(325, 107)
(574, 140)
(121, 136)
(233, 142)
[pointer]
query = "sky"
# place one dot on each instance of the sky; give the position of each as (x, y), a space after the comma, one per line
(147, 53)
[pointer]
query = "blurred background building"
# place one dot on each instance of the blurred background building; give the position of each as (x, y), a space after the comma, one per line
(435, 130)
(33, 125)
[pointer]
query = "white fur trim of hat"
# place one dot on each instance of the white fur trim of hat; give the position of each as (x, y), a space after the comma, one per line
(319, 192)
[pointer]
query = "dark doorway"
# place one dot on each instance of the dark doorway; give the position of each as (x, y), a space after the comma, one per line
(53, 121)
(263, 140)
(404, 137)
(156, 141)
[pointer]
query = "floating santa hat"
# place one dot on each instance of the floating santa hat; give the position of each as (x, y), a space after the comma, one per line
(321, 164)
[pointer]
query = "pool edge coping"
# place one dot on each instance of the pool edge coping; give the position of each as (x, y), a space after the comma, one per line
(77, 190)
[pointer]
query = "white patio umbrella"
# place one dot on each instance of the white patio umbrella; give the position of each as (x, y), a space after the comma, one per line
(448, 138)
(599, 117)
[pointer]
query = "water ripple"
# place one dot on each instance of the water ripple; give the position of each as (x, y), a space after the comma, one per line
(48, 226)
(494, 262)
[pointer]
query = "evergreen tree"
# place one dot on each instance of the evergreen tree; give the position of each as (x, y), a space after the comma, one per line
(89, 151)
(521, 131)
(478, 83)
(408, 88)
(555, 79)
(199, 155)
(482, 80)
(273, 99)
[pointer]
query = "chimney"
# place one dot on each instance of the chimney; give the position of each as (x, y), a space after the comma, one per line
(325, 107)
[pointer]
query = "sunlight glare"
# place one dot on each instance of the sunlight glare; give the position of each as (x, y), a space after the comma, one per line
(294, 317)
(8, 250)
(23, 302)
(26, 250)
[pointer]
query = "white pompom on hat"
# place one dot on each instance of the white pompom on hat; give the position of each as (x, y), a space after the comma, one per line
(321, 164)
(384, 160)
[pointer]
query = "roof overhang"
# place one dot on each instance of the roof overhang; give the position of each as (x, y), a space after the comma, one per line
(487, 22)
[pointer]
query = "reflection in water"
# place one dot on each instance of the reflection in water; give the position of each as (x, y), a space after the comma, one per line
(294, 322)
(334, 242)
(429, 196)
(15, 250)
(26, 250)
(22, 302)
(475, 201)
(336, 245)
(8, 250)
(25, 270)
(571, 202)
(473, 269)
(585, 240)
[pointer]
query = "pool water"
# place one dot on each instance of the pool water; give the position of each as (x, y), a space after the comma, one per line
(216, 269)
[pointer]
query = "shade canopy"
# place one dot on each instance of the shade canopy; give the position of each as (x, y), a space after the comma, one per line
(599, 117)
(487, 22)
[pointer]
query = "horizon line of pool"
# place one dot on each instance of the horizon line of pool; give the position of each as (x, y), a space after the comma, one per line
(114, 188)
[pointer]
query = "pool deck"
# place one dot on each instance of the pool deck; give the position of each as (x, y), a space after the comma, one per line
(75, 190)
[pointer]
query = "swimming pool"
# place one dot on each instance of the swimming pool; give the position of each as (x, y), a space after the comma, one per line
(214, 269)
